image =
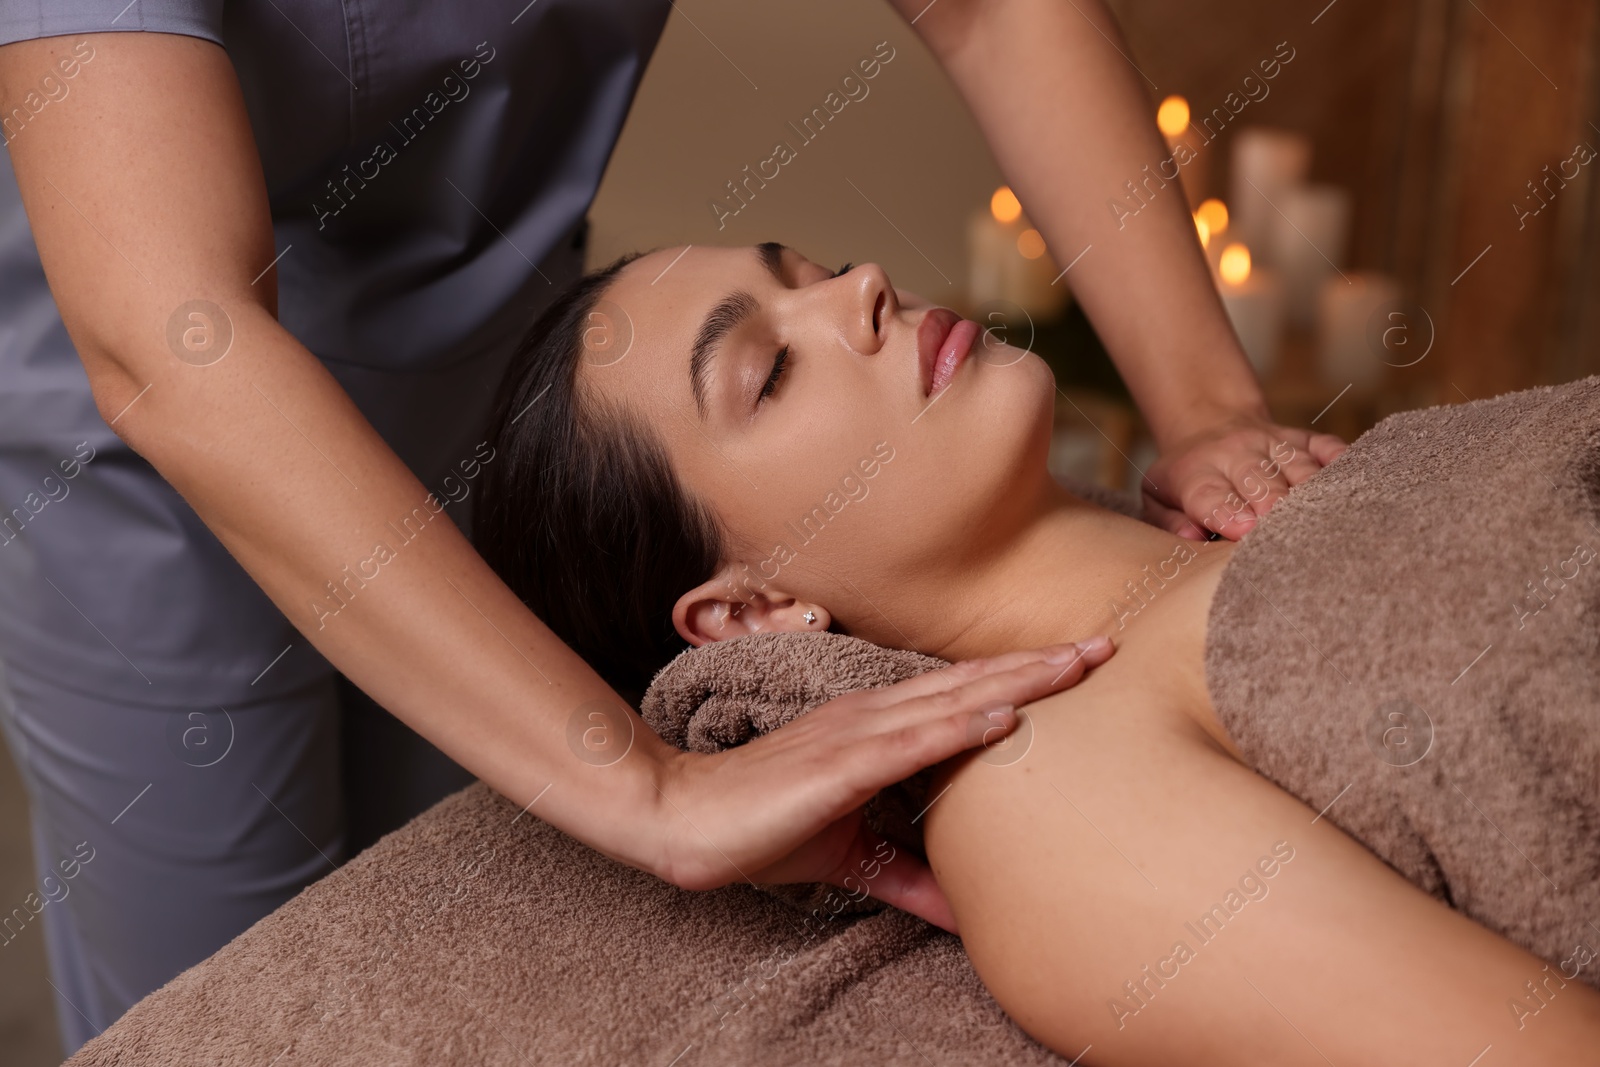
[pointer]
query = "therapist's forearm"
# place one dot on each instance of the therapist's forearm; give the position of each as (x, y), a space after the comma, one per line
(145, 193)
(1069, 122)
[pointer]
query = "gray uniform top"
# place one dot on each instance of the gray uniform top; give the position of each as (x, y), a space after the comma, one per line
(429, 165)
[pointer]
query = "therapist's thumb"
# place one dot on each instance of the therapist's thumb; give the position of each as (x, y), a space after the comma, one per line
(894, 875)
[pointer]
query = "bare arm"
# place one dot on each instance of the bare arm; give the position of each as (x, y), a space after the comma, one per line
(1068, 119)
(146, 192)
(1078, 872)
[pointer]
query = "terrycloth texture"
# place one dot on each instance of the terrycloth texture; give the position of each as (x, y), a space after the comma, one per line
(711, 698)
(475, 936)
(1443, 570)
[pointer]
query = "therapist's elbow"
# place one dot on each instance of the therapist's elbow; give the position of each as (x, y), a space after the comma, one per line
(116, 375)
(115, 392)
(157, 349)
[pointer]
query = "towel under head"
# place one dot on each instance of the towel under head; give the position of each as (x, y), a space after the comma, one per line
(729, 692)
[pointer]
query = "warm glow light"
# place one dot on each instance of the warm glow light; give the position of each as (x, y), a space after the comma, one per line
(1004, 204)
(1215, 214)
(1235, 264)
(1204, 231)
(1173, 116)
(1030, 244)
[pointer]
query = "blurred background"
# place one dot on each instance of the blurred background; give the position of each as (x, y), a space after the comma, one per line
(1434, 236)
(1409, 202)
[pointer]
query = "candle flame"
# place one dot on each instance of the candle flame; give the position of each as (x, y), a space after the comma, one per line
(1203, 229)
(1031, 244)
(1004, 205)
(1215, 214)
(1172, 117)
(1235, 264)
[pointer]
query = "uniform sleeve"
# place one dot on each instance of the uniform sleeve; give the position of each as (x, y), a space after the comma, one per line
(24, 20)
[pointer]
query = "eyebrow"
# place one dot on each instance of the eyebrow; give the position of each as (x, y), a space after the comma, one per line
(728, 315)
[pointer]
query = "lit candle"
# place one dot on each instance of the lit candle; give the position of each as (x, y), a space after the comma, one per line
(1309, 238)
(991, 234)
(1253, 299)
(1265, 163)
(1211, 219)
(1193, 164)
(1034, 284)
(1361, 326)
(1008, 261)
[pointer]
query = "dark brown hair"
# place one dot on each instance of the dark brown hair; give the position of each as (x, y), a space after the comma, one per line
(581, 512)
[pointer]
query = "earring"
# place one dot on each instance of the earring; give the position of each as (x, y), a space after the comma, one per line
(810, 617)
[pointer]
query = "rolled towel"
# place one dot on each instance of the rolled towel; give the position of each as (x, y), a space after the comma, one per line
(727, 693)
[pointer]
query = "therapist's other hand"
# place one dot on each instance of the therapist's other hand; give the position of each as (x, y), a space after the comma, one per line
(786, 807)
(1226, 477)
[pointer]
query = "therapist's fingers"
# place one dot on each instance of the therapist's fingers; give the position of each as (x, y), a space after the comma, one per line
(953, 718)
(880, 869)
(1204, 495)
(1261, 490)
(1172, 520)
(972, 669)
(1264, 487)
(1227, 478)
(1326, 447)
(1295, 458)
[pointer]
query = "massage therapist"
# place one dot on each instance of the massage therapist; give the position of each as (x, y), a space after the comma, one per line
(261, 267)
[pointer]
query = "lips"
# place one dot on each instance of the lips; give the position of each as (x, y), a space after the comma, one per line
(943, 341)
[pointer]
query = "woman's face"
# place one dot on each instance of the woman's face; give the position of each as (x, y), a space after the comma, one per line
(796, 404)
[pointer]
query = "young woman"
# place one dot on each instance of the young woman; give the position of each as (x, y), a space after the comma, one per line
(698, 445)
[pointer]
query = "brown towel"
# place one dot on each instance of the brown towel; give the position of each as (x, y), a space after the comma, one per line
(724, 694)
(1411, 641)
(477, 935)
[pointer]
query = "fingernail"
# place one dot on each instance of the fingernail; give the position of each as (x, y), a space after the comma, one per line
(1096, 645)
(1062, 653)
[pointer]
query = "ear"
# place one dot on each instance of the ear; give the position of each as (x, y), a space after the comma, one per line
(720, 608)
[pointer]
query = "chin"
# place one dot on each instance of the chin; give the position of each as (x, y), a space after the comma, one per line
(1010, 441)
(1028, 409)
(1037, 431)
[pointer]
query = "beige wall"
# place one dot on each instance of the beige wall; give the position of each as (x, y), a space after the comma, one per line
(908, 145)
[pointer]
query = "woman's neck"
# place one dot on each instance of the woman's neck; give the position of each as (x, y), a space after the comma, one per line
(1076, 570)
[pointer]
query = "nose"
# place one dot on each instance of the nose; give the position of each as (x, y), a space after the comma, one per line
(870, 305)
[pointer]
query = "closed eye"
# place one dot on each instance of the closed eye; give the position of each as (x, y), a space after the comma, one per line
(778, 364)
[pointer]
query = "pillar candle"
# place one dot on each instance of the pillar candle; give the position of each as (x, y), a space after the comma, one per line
(1265, 161)
(1351, 324)
(1008, 263)
(990, 246)
(1308, 243)
(1253, 298)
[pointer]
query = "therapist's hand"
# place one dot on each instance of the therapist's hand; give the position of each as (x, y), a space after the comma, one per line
(786, 807)
(1224, 478)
